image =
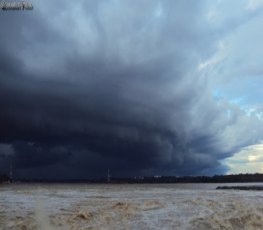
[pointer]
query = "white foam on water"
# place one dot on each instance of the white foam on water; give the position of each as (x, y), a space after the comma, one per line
(81, 206)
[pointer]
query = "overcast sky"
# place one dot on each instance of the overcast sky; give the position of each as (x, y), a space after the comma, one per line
(142, 87)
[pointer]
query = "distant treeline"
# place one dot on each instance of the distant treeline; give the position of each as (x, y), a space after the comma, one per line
(158, 179)
(199, 179)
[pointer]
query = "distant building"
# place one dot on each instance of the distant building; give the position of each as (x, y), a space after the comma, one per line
(4, 179)
(11, 173)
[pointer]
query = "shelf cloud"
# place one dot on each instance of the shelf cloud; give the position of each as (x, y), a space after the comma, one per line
(91, 85)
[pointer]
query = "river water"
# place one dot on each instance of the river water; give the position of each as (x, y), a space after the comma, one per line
(135, 206)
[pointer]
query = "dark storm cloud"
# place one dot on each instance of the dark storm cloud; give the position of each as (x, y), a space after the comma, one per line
(112, 85)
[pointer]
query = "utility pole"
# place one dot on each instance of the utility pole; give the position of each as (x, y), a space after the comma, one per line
(11, 172)
(108, 177)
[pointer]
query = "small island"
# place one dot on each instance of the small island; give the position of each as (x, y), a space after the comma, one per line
(255, 188)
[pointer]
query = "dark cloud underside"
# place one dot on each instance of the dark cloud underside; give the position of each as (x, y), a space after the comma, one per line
(112, 84)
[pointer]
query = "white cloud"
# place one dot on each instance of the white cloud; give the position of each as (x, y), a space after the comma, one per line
(247, 160)
(216, 58)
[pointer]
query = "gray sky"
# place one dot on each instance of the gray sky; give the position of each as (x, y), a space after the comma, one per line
(141, 87)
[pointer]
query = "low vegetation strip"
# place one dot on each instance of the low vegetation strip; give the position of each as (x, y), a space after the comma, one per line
(257, 188)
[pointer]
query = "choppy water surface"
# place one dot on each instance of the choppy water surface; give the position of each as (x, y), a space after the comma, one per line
(169, 206)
